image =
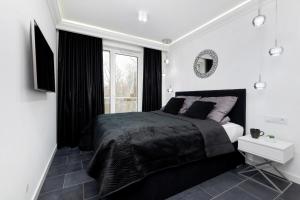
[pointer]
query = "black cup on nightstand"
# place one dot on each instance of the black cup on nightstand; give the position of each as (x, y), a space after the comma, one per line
(256, 133)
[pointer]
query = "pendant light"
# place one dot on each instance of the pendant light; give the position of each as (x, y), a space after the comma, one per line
(166, 41)
(170, 90)
(260, 85)
(167, 61)
(276, 50)
(260, 19)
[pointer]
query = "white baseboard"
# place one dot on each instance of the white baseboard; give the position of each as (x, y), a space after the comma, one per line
(292, 177)
(41, 182)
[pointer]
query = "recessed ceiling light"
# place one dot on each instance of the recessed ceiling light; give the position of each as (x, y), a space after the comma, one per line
(143, 16)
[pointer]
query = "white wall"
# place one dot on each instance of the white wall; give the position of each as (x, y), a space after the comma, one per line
(27, 117)
(242, 49)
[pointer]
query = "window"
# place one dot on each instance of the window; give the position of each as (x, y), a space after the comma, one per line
(126, 83)
(106, 80)
(121, 87)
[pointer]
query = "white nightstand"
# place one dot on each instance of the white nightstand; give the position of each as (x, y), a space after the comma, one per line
(272, 152)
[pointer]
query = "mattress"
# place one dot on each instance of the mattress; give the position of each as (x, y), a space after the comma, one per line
(234, 131)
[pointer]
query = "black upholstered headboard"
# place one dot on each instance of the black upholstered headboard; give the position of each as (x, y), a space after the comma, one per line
(237, 114)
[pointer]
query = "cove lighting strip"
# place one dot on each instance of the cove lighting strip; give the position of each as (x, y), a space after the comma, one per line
(212, 21)
(108, 30)
(154, 41)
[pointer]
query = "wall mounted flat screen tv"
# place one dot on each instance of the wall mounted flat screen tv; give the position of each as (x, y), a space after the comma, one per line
(43, 61)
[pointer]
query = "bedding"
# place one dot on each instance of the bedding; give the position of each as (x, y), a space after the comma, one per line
(173, 106)
(200, 109)
(130, 146)
(225, 120)
(189, 100)
(222, 108)
(234, 131)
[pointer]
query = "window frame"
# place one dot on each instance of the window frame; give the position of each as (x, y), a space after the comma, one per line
(126, 50)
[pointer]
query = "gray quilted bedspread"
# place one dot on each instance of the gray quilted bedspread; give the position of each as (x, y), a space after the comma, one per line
(130, 146)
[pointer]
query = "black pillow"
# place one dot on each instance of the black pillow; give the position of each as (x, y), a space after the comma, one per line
(200, 109)
(174, 105)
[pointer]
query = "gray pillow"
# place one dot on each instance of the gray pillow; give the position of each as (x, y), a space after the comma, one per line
(222, 108)
(189, 100)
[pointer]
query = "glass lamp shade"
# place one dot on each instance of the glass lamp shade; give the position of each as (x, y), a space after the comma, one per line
(170, 90)
(167, 61)
(259, 20)
(276, 51)
(260, 85)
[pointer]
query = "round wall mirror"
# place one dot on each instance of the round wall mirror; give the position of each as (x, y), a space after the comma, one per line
(206, 63)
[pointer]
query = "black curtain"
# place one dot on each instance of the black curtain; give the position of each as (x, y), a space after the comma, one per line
(80, 85)
(152, 80)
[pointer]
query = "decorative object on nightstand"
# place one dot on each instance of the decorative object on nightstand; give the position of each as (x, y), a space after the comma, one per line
(271, 152)
(270, 138)
(256, 133)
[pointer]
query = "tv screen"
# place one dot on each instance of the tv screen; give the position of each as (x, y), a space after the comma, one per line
(43, 61)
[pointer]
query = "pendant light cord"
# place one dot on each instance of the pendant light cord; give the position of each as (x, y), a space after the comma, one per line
(261, 62)
(276, 22)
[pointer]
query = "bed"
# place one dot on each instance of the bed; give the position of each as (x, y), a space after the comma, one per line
(142, 166)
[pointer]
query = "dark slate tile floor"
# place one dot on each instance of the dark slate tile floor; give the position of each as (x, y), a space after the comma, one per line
(67, 177)
(67, 180)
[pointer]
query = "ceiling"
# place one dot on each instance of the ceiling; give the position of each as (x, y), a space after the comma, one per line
(166, 18)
